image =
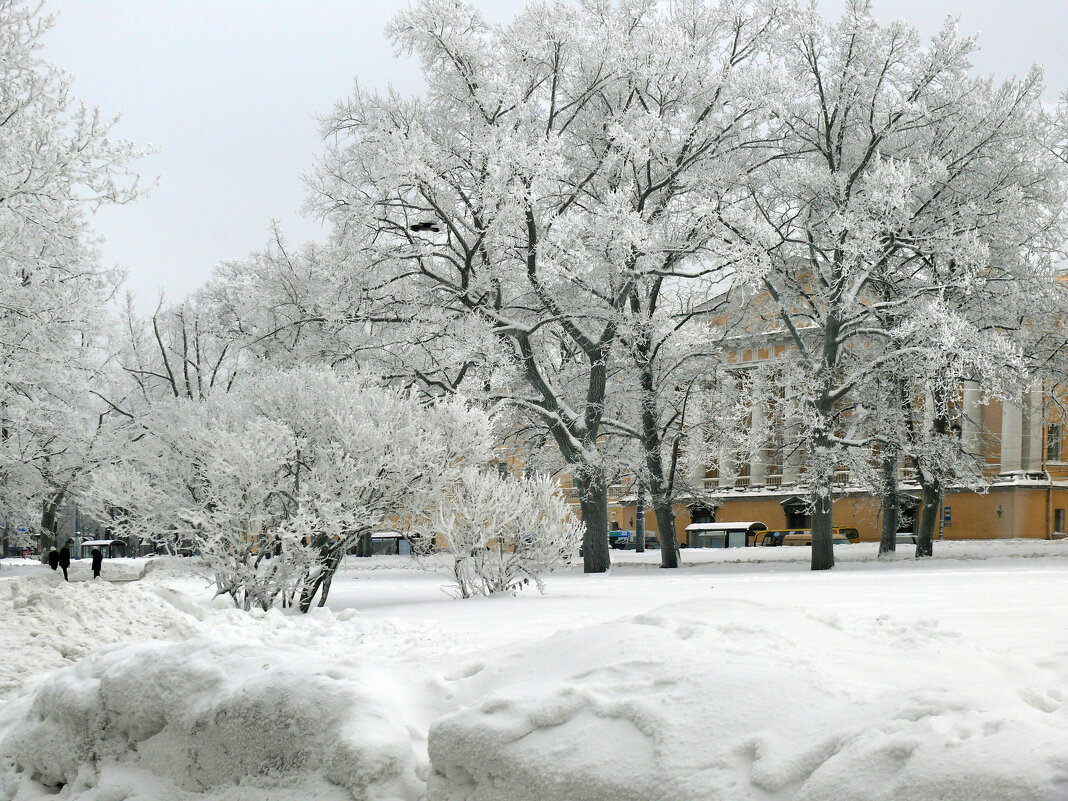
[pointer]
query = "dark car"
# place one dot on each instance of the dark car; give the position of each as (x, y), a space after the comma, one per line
(770, 538)
(626, 540)
(619, 539)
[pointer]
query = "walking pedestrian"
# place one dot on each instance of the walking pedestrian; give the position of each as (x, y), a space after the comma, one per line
(98, 559)
(53, 558)
(64, 560)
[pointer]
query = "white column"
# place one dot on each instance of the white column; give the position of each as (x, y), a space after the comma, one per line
(1035, 415)
(1011, 436)
(697, 472)
(726, 460)
(791, 447)
(758, 468)
(725, 468)
(928, 410)
(699, 461)
(969, 424)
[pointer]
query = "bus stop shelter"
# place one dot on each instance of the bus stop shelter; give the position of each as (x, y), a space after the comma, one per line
(722, 535)
(109, 548)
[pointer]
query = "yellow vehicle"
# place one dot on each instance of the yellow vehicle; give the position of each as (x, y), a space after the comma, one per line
(803, 536)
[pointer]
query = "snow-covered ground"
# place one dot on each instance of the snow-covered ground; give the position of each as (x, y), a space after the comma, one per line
(741, 676)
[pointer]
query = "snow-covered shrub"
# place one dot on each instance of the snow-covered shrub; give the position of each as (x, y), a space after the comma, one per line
(245, 538)
(215, 477)
(274, 481)
(502, 532)
(375, 458)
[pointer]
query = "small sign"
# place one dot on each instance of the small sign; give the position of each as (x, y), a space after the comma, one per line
(947, 516)
(21, 529)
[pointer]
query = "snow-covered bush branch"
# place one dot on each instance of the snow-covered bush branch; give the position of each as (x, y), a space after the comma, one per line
(502, 532)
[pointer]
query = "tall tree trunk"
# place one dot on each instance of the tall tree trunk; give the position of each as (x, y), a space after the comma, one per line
(363, 545)
(931, 479)
(932, 497)
(665, 523)
(822, 540)
(639, 519)
(823, 510)
(49, 519)
(593, 502)
(891, 506)
(329, 559)
(659, 486)
(664, 510)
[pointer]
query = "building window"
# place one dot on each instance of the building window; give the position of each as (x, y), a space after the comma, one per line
(1058, 520)
(702, 514)
(906, 521)
(1053, 444)
(797, 516)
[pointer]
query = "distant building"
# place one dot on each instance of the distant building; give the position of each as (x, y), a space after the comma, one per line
(1026, 470)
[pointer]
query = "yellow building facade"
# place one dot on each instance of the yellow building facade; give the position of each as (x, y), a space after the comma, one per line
(1025, 494)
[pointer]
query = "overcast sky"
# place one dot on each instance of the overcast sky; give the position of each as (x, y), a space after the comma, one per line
(228, 91)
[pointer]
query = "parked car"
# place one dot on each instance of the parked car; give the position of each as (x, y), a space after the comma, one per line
(801, 536)
(619, 539)
(849, 533)
(769, 538)
(627, 540)
(804, 537)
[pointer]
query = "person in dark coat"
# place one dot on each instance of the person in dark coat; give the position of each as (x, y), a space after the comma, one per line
(98, 559)
(64, 560)
(53, 558)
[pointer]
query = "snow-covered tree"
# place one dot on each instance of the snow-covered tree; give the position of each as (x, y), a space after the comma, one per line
(58, 162)
(527, 208)
(912, 405)
(697, 81)
(897, 177)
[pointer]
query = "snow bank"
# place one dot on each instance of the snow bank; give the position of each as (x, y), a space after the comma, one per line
(937, 679)
(16, 566)
(204, 715)
(176, 567)
(122, 569)
(207, 716)
(50, 623)
(866, 553)
(219, 704)
(861, 553)
(741, 701)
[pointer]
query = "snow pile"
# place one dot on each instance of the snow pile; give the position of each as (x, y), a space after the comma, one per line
(858, 553)
(120, 569)
(736, 700)
(175, 567)
(50, 623)
(211, 717)
(16, 566)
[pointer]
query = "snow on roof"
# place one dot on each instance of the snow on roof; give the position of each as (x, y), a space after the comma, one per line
(754, 525)
(104, 542)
